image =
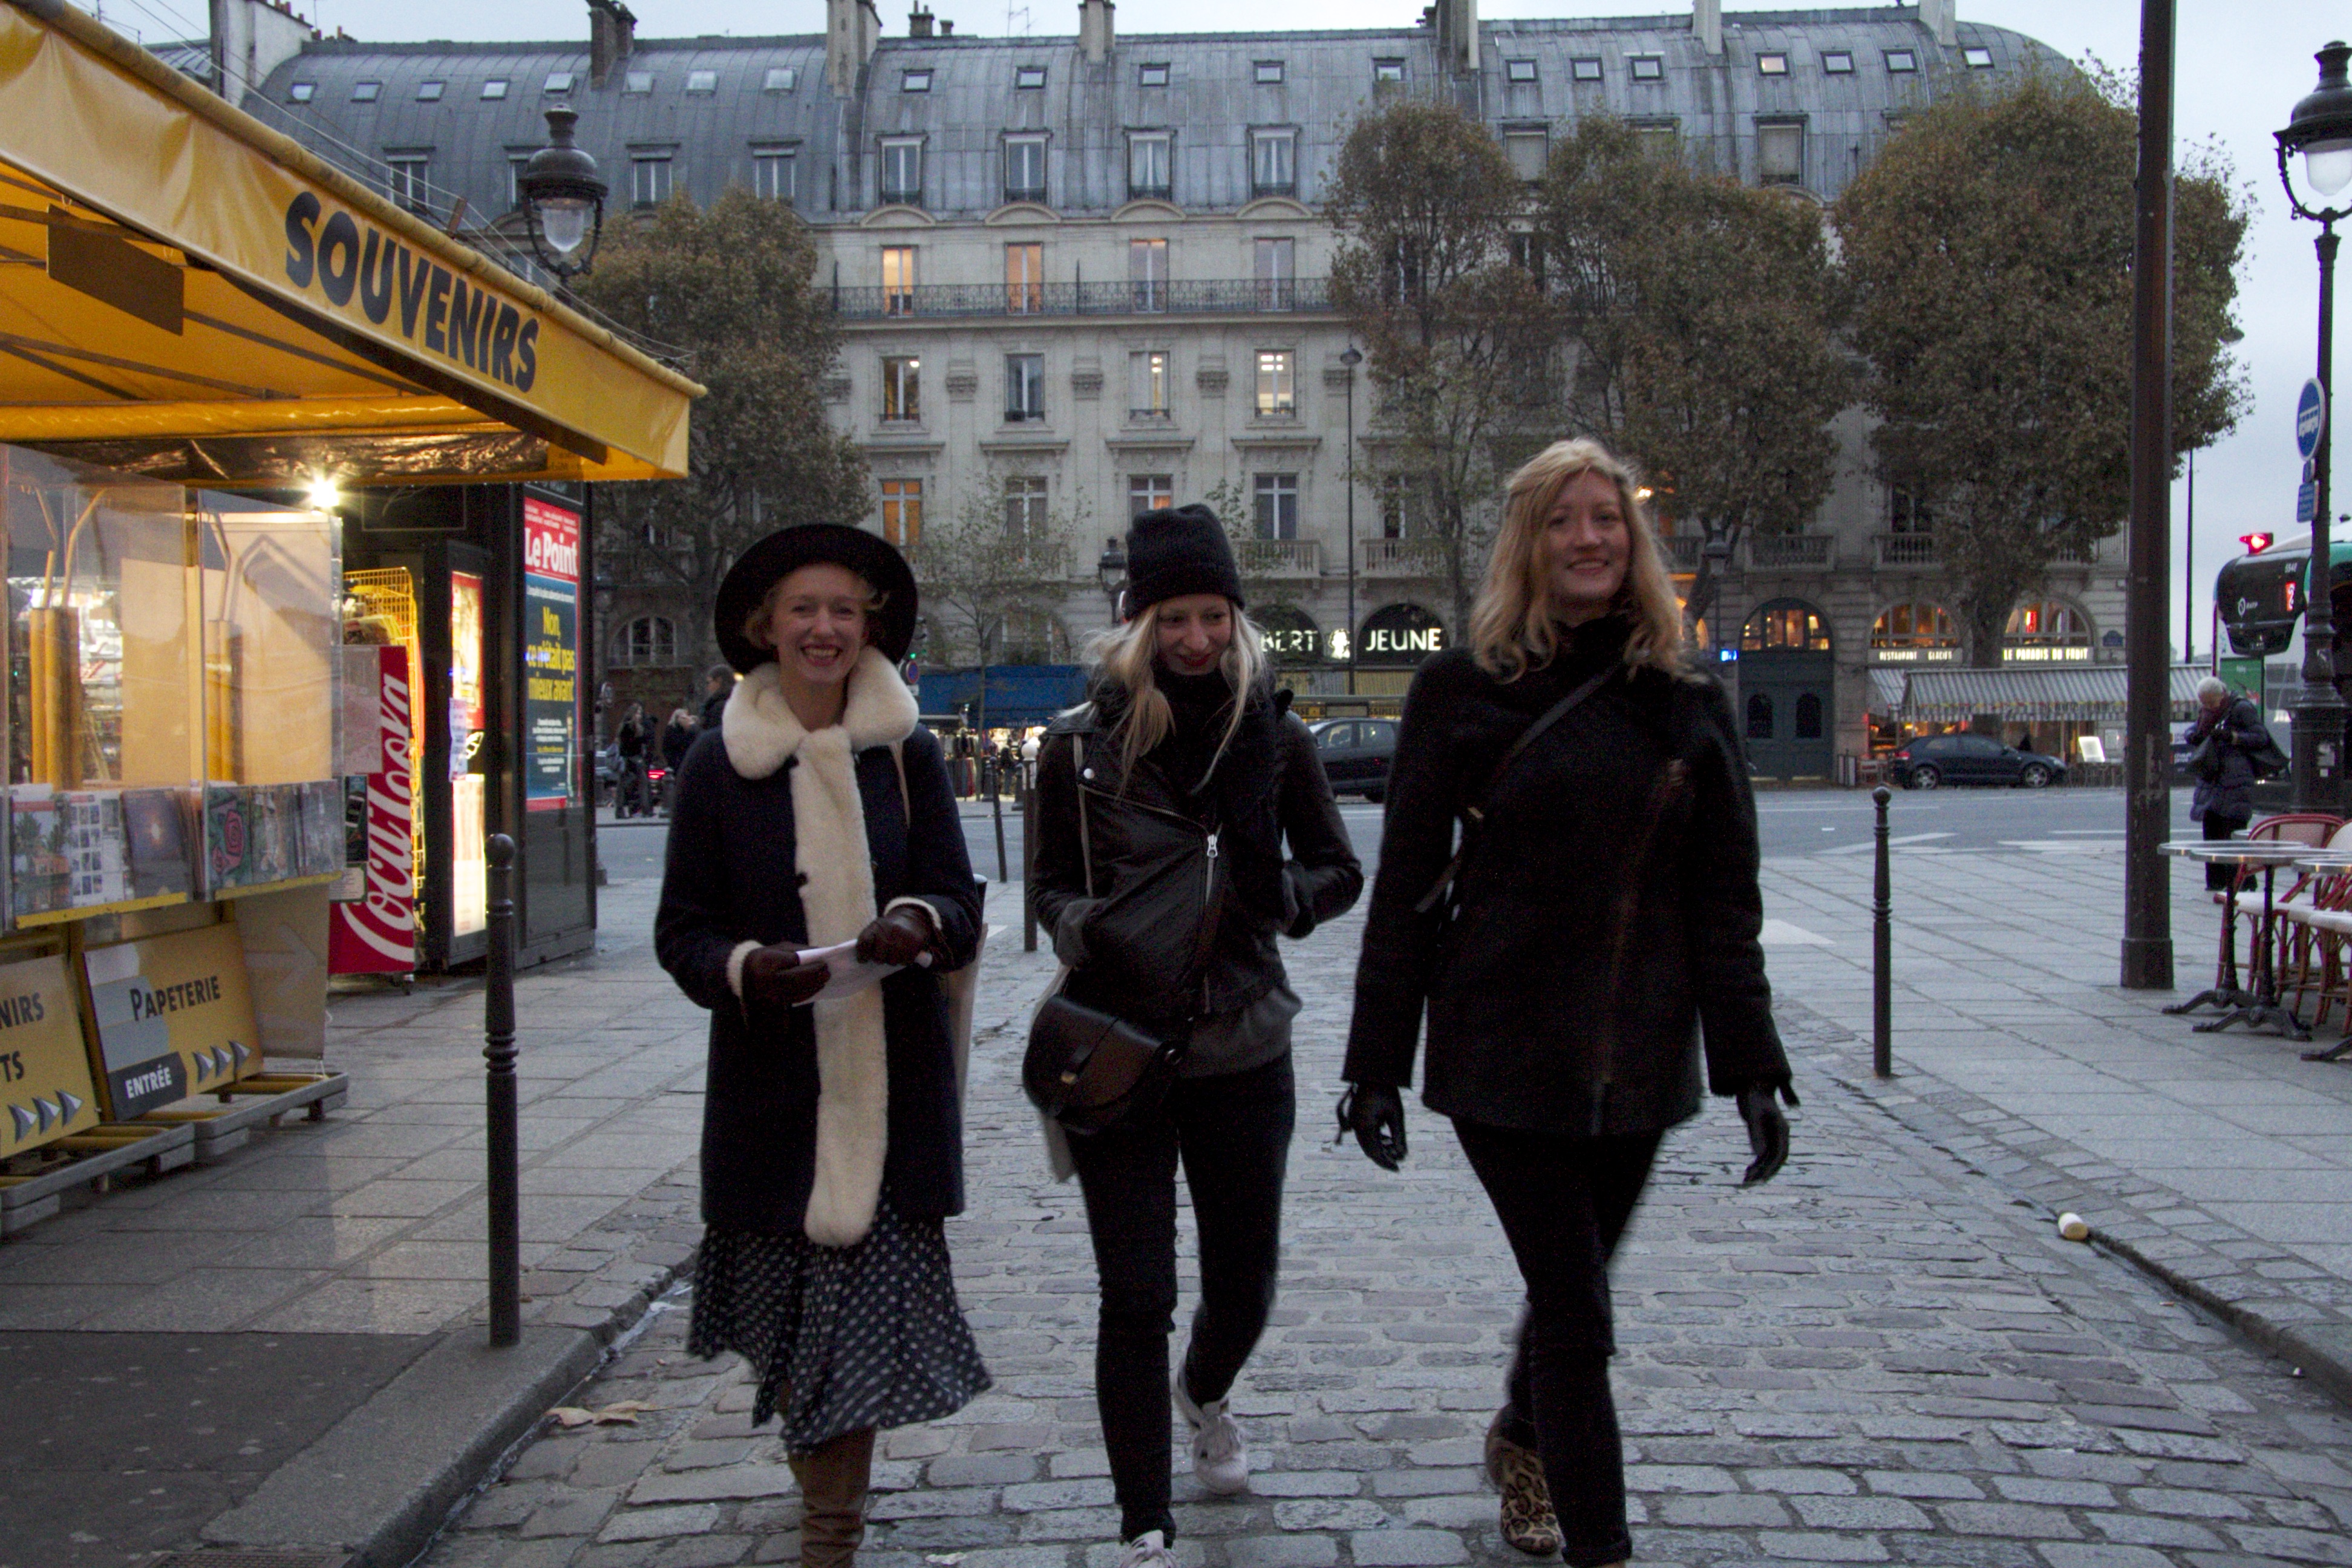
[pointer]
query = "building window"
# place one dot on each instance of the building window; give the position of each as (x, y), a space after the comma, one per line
(780, 79)
(516, 163)
(1837, 62)
(1025, 506)
(902, 390)
(636, 84)
(1387, 71)
(1278, 385)
(1025, 387)
(702, 81)
(1388, 493)
(2048, 631)
(494, 89)
(1029, 78)
(1900, 61)
(1274, 165)
(898, 279)
(1153, 75)
(366, 91)
(1519, 71)
(915, 81)
(1528, 151)
(648, 178)
(1584, 71)
(902, 169)
(902, 512)
(1781, 154)
(648, 639)
(429, 91)
(1276, 498)
(1907, 513)
(1025, 168)
(1646, 67)
(406, 176)
(1659, 138)
(775, 173)
(1147, 273)
(1527, 253)
(1917, 632)
(302, 91)
(557, 81)
(1148, 165)
(1147, 376)
(1784, 626)
(1277, 273)
(1024, 278)
(1269, 73)
(1149, 492)
(1775, 64)
(1977, 59)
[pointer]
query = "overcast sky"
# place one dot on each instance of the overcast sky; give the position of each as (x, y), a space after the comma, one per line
(2241, 68)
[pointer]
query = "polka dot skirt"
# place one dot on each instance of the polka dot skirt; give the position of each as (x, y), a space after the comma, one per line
(842, 1338)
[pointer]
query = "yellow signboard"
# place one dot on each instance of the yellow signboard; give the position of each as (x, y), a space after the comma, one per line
(175, 1017)
(44, 1089)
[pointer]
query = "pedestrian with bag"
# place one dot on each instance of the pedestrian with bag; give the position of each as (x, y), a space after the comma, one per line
(2228, 740)
(817, 814)
(1164, 804)
(677, 740)
(1599, 918)
(635, 740)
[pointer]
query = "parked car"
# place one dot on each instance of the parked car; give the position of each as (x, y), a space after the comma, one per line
(1357, 754)
(1971, 759)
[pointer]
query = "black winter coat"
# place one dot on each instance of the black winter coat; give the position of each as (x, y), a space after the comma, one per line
(1609, 912)
(2239, 727)
(1133, 944)
(730, 879)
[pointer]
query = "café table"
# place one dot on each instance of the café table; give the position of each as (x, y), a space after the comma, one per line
(2258, 1008)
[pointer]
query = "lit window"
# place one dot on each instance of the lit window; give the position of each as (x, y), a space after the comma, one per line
(1273, 161)
(648, 178)
(429, 91)
(1152, 76)
(702, 81)
(1269, 73)
(775, 173)
(1024, 278)
(1784, 626)
(1646, 67)
(1528, 151)
(558, 81)
(494, 89)
(2046, 631)
(780, 79)
(1148, 165)
(1915, 633)
(898, 279)
(1147, 273)
(915, 81)
(902, 401)
(902, 169)
(1772, 65)
(1025, 387)
(1838, 62)
(1388, 70)
(638, 83)
(366, 91)
(1901, 60)
(1149, 492)
(1276, 498)
(1781, 154)
(1278, 384)
(302, 91)
(1977, 59)
(1520, 70)
(1025, 168)
(1029, 77)
(1584, 71)
(1147, 390)
(902, 512)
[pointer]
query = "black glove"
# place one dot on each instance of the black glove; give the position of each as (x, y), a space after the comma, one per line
(1375, 1114)
(775, 980)
(1767, 1130)
(897, 939)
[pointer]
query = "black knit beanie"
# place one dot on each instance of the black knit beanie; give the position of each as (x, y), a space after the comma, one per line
(1177, 551)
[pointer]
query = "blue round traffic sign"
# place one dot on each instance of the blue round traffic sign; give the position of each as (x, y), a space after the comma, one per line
(2310, 417)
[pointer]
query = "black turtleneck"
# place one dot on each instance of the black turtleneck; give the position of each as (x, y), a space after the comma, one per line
(1582, 652)
(1201, 707)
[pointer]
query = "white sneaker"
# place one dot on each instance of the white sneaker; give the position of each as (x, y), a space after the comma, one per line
(1220, 1457)
(1148, 1549)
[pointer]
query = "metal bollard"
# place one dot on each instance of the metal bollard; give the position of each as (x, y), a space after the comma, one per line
(1882, 953)
(501, 1133)
(996, 809)
(1028, 868)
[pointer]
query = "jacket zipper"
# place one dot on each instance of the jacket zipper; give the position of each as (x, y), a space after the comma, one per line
(1208, 904)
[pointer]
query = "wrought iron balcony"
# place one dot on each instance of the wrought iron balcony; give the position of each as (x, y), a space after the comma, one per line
(1207, 296)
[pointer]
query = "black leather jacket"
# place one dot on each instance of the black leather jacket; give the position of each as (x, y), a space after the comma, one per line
(1133, 941)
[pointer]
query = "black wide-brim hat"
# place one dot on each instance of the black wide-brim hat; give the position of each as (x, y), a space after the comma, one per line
(788, 549)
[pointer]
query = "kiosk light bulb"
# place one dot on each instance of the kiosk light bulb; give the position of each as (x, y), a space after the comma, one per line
(323, 494)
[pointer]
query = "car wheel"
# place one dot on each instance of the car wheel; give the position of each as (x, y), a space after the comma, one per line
(2035, 776)
(1925, 777)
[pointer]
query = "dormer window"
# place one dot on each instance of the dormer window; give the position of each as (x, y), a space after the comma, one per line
(702, 81)
(1837, 62)
(1900, 62)
(429, 91)
(1152, 76)
(1772, 65)
(495, 88)
(1584, 71)
(366, 91)
(1977, 59)
(302, 91)
(1646, 67)
(1029, 78)
(636, 84)
(780, 79)
(1388, 70)
(1269, 73)
(915, 81)
(1519, 71)
(557, 81)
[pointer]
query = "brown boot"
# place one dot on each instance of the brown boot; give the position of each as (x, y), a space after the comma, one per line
(1529, 1522)
(832, 1478)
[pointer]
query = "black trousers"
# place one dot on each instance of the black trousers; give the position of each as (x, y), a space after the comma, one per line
(2219, 876)
(1232, 1133)
(1564, 1202)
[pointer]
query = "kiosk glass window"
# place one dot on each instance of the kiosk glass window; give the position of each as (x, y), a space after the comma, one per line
(468, 725)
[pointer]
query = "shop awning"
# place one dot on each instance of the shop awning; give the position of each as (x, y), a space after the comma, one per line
(2051, 693)
(187, 293)
(1885, 692)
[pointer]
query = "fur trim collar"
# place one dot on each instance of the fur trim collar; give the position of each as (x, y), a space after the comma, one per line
(760, 729)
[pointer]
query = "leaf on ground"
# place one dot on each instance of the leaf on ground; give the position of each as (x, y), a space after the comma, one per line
(621, 1412)
(571, 1416)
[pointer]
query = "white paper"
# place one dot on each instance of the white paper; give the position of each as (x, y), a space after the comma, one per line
(848, 975)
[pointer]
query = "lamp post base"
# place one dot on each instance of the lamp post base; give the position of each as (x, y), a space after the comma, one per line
(2148, 963)
(2316, 728)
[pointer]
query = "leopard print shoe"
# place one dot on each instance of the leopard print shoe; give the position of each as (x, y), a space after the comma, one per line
(1529, 1522)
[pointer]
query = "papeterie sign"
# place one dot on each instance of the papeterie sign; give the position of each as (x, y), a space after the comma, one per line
(175, 1017)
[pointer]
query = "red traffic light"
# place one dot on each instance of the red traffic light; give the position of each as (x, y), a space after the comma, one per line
(2255, 543)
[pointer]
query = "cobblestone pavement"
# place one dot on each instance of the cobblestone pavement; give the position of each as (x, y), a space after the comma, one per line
(1882, 1356)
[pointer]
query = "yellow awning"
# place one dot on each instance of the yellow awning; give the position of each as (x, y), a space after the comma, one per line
(186, 293)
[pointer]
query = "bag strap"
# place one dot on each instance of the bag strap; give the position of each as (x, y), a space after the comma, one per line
(1079, 783)
(1474, 812)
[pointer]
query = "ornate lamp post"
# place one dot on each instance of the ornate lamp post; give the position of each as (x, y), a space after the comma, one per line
(1351, 357)
(2320, 130)
(562, 200)
(1111, 571)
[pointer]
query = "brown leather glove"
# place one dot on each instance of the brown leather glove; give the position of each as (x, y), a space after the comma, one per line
(774, 979)
(899, 938)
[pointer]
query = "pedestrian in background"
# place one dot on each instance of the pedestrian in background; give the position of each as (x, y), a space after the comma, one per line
(677, 740)
(717, 686)
(1602, 914)
(1163, 806)
(635, 740)
(832, 1137)
(2223, 800)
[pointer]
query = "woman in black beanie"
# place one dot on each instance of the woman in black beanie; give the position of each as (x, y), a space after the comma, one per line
(1163, 805)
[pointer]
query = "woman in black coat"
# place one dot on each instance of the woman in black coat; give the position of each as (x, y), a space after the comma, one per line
(819, 815)
(2223, 800)
(1602, 916)
(1163, 807)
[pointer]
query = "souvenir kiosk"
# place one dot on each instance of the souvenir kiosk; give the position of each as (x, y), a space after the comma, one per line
(210, 373)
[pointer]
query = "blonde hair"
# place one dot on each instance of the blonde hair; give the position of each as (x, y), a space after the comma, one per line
(1511, 626)
(1127, 656)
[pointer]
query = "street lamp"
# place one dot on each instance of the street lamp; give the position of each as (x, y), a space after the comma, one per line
(2320, 130)
(1111, 571)
(1351, 357)
(562, 200)
(1716, 554)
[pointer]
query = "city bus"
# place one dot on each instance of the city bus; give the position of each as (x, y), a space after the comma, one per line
(2257, 604)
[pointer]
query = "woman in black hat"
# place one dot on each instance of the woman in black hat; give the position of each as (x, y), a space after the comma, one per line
(1163, 805)
(819, 815)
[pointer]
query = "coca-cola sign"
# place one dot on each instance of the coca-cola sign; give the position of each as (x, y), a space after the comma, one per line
(377, 934)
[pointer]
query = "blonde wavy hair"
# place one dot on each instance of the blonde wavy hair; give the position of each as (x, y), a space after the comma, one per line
(1512, 629)
(1125, 656)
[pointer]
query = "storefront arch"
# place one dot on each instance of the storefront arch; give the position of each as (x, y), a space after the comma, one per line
(2047, 631)
(1788, 677)
(1920, 632)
